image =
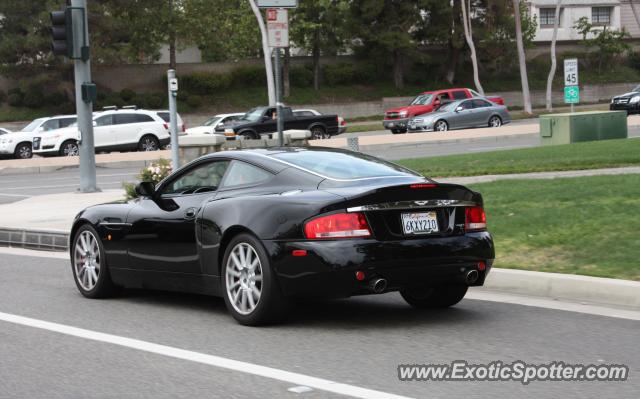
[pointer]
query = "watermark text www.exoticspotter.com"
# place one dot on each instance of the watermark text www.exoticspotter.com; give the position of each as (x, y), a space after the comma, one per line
(519, 371)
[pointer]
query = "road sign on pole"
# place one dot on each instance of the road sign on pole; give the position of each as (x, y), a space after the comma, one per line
(571, 95)
(278, 27)
(571, 72)
(277, 3)
(173, 117)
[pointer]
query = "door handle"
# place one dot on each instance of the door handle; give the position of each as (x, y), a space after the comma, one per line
(190, 213)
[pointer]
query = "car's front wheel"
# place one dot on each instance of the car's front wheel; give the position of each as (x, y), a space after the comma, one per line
(441, 126)
(89, 264)
(434, 297)
(23, 151)
(149, 143)
(69, 149)
(495, 121)
(251, 291)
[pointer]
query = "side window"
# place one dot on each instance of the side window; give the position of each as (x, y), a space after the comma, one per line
(480, 103)
(241, 174)
(165, 116)
(65, 122)
(459, 95)
(443, 97)
(122, 119)
(51, 124)
(105, 120)
(466, 105)
(303, 113)
(202, 178)
(143, 118)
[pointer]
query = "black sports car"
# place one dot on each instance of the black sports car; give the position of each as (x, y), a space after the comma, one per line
(629, 102)
(261, 227)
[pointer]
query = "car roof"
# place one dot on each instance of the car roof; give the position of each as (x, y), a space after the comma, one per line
(225, 115)
(442, 90)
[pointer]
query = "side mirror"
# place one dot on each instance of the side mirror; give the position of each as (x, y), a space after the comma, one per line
(459, 108)
(146, 189)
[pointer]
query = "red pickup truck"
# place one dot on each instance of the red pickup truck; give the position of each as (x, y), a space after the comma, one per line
(396, 119)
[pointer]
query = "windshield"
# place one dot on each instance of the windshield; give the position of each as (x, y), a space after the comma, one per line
(253, 115)
(211, 121)
(342, 165)
(637, 89)
(422, 99)
(33, 125)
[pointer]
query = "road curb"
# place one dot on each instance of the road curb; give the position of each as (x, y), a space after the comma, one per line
(598, 290)
(55, 168)
(44, 240)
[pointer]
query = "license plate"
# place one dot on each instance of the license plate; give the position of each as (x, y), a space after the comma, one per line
(420, 223)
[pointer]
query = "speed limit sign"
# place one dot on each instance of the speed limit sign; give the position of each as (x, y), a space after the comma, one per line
(571, 72)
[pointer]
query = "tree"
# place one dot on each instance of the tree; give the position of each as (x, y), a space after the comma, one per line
(319, 27)
(526, 95)
(552, 71)
(610, 42)
(466, 23)
(455, 41)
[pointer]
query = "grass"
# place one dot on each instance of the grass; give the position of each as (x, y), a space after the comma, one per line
(579, 225)
(589, 155)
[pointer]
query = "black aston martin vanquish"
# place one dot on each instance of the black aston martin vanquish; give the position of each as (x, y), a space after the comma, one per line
(261, 227)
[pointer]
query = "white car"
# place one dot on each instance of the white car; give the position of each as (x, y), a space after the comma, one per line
(342, 124)
(114, 130)
(210, 125)
(18, 144)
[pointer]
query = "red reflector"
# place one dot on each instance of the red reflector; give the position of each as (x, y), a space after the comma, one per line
(360, 275)
(482, 266)
(166, 126)
(299, 252)
(184, 127)
(475, 218)
(423, 186)
(338, 225)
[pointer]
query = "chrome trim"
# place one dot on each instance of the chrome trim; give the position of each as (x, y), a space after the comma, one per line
(114, 224)
(390, 206)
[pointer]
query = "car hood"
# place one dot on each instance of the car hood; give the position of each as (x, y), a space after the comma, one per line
(18, 135)
(629, 94)
(411, 109)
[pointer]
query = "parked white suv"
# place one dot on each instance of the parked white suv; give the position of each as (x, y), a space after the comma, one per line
(113, 130)
(18, 144)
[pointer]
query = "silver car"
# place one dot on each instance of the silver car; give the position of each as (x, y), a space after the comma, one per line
(461, 114)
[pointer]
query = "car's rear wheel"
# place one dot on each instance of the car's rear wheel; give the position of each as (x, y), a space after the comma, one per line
(148, 143)
(89, 264)
(23, 151)
(495, 121)
(441, 126)
(69, 149)
(250, 289)
(319, 133)
(434, 297)
(249, 135)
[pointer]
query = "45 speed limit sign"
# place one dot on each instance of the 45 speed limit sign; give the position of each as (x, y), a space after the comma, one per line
(571, 72)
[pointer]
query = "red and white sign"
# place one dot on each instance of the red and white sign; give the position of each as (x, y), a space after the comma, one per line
(278, 27)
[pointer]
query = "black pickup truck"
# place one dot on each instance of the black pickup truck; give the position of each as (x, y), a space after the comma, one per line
(261, 120)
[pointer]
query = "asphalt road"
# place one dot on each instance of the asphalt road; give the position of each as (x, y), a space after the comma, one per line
(359, 342)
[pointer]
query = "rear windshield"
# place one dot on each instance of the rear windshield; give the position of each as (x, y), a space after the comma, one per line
(342, 165)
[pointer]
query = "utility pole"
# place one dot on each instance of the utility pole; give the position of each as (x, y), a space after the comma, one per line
(280, 121)
(172, 83)
(85, 95)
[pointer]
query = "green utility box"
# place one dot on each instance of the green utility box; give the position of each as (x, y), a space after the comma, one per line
(583, 126)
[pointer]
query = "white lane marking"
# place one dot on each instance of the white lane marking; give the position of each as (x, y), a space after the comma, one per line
(34, 253)
(482, 294)
(211, 360)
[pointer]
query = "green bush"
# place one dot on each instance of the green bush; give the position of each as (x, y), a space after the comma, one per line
(127, 95)
(205, 82)
(56, 98)
(339, 74)
(15, 99)
(153, 100)
(248, 76)
(33, 99)
(300, 76)
(634, 59)
(3, 96)
(194, 100)
(154, 173)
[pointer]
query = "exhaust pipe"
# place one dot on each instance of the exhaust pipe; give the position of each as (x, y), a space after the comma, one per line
(471, 277)
(378, 285)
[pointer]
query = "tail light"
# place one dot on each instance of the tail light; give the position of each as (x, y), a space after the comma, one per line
(166, 126)
(475, 218)
(184, 127)
(338, 225)
(343, 123)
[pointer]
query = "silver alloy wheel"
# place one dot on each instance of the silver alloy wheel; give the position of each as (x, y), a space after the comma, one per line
(149, 144)
(495, 122)
(244, 278)
(24, 152)
(70, 150)
(86, 260)
(318, 133)
(441, 126)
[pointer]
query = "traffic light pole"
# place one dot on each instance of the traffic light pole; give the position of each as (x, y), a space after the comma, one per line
(84, 109)
(280, 117)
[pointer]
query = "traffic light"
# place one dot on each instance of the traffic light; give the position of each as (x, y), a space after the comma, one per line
(62, 33)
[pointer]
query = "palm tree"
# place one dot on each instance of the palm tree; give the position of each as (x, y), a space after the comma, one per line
(466, 22)
(552, 71)
(267, 53)
(526, 96)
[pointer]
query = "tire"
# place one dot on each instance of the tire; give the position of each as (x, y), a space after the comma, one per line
(319, 133)
(436, 297)
(249, 135)
(252, 296)
(149, 142)
(395, 131)
(69, 149)
(89, 264)
(23, 151)
(495, 121)
(441, 126)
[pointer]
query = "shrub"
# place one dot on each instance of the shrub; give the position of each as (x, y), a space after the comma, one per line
(339, 74)
(205, 82)
(634, 59)
(194, 101)
(3, 96)
(56, 98)
(153, 100)
(127, 95)
(248, 76)
(33, 99)
(154, 173)
(301, 76)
